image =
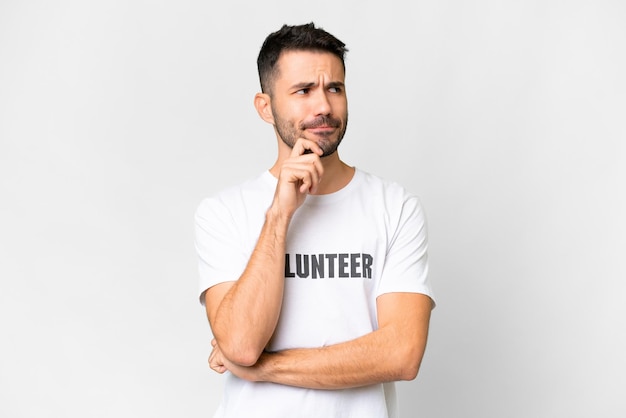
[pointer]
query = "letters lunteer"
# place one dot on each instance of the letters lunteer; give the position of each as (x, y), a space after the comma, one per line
(322, 266)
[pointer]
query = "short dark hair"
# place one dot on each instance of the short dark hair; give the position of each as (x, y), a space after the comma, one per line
(293, 38)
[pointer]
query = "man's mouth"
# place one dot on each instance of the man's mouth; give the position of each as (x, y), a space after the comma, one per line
(323, 128)
(322, 124)
(322, 131)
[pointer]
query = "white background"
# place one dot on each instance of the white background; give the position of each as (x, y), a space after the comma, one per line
(506, 117)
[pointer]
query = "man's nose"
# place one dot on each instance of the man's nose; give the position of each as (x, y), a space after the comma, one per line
(322, 104)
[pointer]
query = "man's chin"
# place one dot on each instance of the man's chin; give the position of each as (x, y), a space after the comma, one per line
(326, 153)
(327, 143)
(330, 149)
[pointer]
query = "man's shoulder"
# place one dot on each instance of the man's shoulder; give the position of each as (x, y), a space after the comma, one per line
(388, 188)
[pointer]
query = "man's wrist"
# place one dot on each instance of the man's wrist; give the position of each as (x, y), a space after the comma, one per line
(277, 216)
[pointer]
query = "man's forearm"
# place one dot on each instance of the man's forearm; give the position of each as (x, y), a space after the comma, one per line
(247, 314)
(393, 352)
(356, 363)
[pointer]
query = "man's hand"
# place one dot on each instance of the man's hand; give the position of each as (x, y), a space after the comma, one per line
(217, 361)
(220, 364)
(299, 175)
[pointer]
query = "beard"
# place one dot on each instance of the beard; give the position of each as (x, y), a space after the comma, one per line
(289, 133)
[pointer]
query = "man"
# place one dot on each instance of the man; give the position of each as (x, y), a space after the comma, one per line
(314, 274)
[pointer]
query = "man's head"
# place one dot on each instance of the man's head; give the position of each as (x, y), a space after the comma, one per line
(302, 73)
(294, 38)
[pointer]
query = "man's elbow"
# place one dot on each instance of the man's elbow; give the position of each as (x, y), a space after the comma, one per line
(246, 359)
(409, 371)
(408, 363)
(240, 355)
(237, 347)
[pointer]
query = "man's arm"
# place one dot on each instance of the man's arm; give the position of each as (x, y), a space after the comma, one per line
(243, 314)
(393, 352)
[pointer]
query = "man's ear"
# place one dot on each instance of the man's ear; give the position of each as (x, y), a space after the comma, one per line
(263, 105)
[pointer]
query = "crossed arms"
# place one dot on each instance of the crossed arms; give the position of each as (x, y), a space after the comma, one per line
(244, 314)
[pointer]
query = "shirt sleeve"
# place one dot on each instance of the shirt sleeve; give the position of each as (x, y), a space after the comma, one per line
(218, 245)
(406, 261)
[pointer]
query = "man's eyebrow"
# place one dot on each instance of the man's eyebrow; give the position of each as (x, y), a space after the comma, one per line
(334, 84)
(304, 85)
(310, 84)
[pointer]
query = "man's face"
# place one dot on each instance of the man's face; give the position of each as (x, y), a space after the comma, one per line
(309, 100)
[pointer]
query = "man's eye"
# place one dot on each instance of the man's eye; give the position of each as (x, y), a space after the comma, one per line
(302, 91)
(334, 89)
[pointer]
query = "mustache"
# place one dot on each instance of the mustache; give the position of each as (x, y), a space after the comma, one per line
(321, 121)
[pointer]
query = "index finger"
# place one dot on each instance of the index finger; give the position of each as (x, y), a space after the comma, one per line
(303, 145)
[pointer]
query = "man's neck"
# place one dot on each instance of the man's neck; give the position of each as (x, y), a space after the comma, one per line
(337, 175)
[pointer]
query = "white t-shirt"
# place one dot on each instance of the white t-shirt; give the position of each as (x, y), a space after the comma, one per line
(343, 250)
